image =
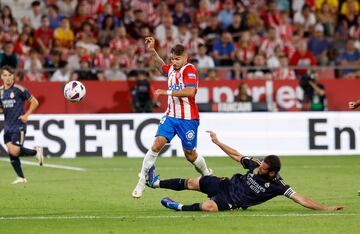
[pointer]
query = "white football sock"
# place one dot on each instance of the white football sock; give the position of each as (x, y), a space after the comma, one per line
(149, 160)
(200, 166)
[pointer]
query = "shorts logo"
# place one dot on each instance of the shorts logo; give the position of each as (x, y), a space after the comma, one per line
(190, 135)
(12, 95)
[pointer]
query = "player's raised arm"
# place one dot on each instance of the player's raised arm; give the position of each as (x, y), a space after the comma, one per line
(311, 204)
(157, 61)
(233, 153)
(354, 105)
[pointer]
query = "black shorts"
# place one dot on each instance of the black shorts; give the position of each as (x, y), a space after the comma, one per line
(217, 190)
(15, 137)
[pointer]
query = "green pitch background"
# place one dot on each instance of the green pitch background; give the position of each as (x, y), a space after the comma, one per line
(99, 200)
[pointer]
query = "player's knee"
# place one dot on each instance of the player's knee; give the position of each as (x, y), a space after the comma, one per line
(209, 206)
(190, 155)
(193, 184)
(12, 150)
(158, 144)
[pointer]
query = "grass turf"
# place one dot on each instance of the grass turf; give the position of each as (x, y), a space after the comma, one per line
(99, 200)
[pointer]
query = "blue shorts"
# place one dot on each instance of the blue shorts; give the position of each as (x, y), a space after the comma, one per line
(184, 128)
(217, 190)
(15, 137)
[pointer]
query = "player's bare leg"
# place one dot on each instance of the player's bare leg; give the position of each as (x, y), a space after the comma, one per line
(198, 161)
(148, 161)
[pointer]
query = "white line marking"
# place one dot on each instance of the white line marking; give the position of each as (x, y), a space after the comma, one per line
(174, 216)
(47, 165)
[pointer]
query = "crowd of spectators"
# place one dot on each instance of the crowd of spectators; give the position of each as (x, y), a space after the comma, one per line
(60, 40)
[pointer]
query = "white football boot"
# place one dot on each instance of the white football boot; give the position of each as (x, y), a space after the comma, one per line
(39, 155)
(19, 180)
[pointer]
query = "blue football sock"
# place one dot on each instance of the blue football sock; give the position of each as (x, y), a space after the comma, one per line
(15, 162)
(27, 152)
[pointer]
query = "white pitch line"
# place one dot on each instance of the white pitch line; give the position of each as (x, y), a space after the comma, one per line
(174, 216)
(47, 165)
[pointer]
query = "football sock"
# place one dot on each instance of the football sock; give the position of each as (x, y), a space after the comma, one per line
(149, 160)
(176, 184)
(201, 166)
(27, 152)
(193, 207)
(15, 162)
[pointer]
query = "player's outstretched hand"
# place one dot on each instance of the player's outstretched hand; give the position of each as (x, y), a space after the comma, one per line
(150, 42)
(336, 208)
(213, 136)
(352, 105)
(23, 118)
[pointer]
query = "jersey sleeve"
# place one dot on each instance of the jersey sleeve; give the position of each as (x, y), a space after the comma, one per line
(25, 94)
(285, 189)
(165, 68)
(190, 76)
(250, 163)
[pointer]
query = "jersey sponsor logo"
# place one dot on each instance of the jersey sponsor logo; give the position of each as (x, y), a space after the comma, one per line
(192, 75)
(190, 135)
(12, 95)
(8, 103)
(175, 87)
(253, 184)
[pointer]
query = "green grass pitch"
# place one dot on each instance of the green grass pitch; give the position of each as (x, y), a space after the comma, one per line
(98, 200)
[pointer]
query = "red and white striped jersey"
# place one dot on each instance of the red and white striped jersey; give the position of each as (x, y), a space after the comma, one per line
(182, 107)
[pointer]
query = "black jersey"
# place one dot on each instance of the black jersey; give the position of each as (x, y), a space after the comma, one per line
(12, 102)
(252, 189)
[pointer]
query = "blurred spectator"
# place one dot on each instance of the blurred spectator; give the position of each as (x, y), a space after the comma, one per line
(22, 46)
(106, 14)
(52, 62)
(66, 7)
(167, 25)
(35, 14)
(302, 58)
(81, 15)
(62, 74)
(142, 94)
(274, 60)
(333, 5)
(212, 75)
(44, 36)
(54, 17)
(271, 17)
(212, 32)
(13, 33)
(319, 45)
(87, 37)
(155, 74)
(107, 30)
(259, 71)
(194, 42)
(8, 57)
(120, 42)
(184, 34)
(113, 72)
(314, 93)
(286, 29)
(237, 27)
(202, 14)
(147, 7)
(179, 15)
(350, 57)
(354, 31)
(327, 17)
(34, 74)
(284, 72)
(268, 44)
(245, 49)
(133, 29)
(85, 72)
(64, 36)
(6, 18)
(305, 18)
(236, 73)
(283, 5)
(104, 58)
(349, 6)
(204, 61)
(243, 93)
(33, 61)
(226, 14)
(224, 50)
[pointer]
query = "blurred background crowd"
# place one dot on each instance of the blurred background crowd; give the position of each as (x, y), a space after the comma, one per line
(60, 40)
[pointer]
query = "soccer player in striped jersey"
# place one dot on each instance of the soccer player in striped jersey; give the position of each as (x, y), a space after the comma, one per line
(259, 184)
(13, 97)
(182, 115)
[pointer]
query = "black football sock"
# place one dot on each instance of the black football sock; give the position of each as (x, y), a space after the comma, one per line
(174, 184)
(27, 152)
(15, 162)
(193, 207)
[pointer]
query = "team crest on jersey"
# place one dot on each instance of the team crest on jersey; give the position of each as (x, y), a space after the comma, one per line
(190, 135)
(267, 185)
(12, 95)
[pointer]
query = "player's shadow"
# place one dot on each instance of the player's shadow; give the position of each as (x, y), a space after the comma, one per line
(120, 99)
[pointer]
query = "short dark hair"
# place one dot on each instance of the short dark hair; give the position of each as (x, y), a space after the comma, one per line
(274, 163)
(8, 69)
(178, 50)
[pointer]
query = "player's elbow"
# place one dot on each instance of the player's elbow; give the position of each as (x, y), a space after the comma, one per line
(35, 102)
